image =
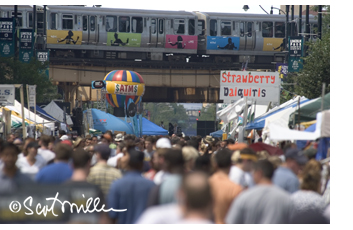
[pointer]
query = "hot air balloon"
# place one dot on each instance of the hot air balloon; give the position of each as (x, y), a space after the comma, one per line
(121, 85)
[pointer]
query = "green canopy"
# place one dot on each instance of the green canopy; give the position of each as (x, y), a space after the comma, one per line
(308, 112)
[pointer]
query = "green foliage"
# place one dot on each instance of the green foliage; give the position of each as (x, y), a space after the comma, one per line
(316, 69)
(16, 72)
(168, 113)
(208, 114)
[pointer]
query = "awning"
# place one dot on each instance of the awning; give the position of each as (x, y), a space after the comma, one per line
(259, 123)
(308, 112)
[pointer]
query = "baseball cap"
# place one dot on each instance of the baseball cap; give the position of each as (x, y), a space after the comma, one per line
(64, 137)
(103, 149)
(119, 137)
(163, 143)
(296, 155)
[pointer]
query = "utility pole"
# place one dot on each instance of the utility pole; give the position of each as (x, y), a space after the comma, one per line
(287, 26)
(307, 29)
(300, 19)
(15, 35)
(320, 21)
(292, 22)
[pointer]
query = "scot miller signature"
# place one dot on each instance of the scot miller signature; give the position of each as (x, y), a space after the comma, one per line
(15, 206)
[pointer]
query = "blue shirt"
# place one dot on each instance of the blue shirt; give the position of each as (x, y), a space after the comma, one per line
(13, 184)
(131, 193)
(286, 179)
(55, 173)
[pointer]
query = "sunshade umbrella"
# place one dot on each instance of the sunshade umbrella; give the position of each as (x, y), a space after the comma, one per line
(260, 146)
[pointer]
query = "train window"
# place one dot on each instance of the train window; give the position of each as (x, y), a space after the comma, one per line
(84, 23)
(53, 21)
(241, 25)
(191, 27)
(161, 26)
(280, 29)
(92, 23)
(179, 26)
(250, 29)
(153, 26)
(67, 22)
(226, 28)
(19, 21)
(111, 24)
(124, 24)
(29, 19)
(213, 27)
(267, 29)
(201, 27)
(137, 25)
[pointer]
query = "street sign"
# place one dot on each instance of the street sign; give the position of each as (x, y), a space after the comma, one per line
(98, 84)
(7, 95)
(7, 32)
(295, 53)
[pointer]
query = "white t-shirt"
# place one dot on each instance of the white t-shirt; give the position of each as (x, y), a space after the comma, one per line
(159, 177)
(46, 154)
(30, 170)
(161, 214)
(113, 160)
(240, 177)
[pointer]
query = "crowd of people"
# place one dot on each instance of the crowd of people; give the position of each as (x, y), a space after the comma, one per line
(174, 179)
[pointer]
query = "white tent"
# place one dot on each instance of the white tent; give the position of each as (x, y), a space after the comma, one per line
(55, 111)
(31, 116)
(279, 133)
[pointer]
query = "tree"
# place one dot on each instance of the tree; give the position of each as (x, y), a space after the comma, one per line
(16, 72)
(209, 113)
(316, 68)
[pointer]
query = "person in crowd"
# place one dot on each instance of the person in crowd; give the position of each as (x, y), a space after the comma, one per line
(308, 198)
(60, 171)
(190, 155)
(286, 176)
(262, 204)
(26, 142)
(194, 144)
(19, 143)
(114, 161)
(162, 143)
(174, 166)
(10, 138)
(149, 146)
(52, 142)
(94, 140)
(119, 138)
(224, 191)
(79, 143)
(131, 191)
(243, 161)
(195, 199)
(44, 151)
(203, 164)
(224, 144)
(31, 162)
(88, 141)
(101, 173)
(276, 161)
(11, 178)
(78, 181)
(63, 136)
(110, 137)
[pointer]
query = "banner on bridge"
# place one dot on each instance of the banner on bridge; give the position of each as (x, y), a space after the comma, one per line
(260, 86)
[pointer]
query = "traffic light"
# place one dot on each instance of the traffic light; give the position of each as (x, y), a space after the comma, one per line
(199, 112)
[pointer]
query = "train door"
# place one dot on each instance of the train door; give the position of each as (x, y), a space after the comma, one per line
(89, 29)
(157, 32)
(247, 36)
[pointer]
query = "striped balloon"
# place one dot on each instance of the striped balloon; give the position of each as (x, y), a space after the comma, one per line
(119, 76)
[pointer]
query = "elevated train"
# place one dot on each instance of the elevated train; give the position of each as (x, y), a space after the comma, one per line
(95, 32)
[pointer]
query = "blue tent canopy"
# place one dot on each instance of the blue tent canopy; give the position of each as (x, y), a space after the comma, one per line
(105, 121)
(259, 123)
(217, 133)
(43, 113)
(149, 128)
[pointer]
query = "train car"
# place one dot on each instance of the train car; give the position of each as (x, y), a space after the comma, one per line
(109, 33)
(239, 37)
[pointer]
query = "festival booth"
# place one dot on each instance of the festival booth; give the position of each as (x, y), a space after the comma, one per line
(151, 129)
(103, 122)
(44, 126)
(217, 133)
(55, 111)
